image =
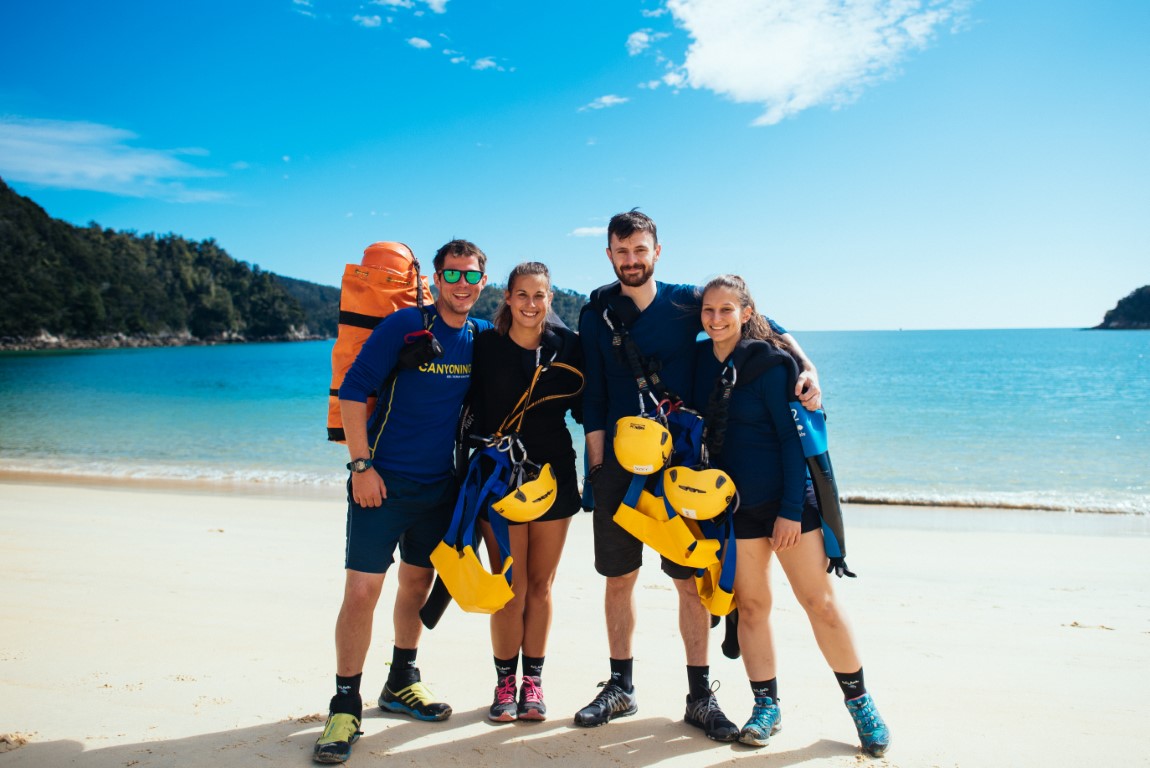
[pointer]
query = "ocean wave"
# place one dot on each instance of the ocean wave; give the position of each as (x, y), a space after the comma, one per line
(1045, 502)
(294, 480)
(223, 476)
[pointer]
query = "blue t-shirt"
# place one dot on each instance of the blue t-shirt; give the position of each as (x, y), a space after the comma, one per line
(761, 449)
(412, 431)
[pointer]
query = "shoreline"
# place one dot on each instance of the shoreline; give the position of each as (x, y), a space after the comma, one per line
(49, 343)
(916, 514)
(161, 627)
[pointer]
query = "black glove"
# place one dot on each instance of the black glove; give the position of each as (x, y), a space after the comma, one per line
(419, 348)
(838, 566)
(731, 647)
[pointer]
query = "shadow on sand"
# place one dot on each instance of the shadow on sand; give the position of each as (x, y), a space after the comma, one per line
(468, 739)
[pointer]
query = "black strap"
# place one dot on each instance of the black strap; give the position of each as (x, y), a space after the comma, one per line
(749, 360)
(618, 312)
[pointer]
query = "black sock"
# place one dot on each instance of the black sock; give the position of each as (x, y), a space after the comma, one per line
(505, 667)
(767, 688)
(533, 666)
(851, 683)
(699, 681)
(347, 698)
(403, 670)
(621, 673)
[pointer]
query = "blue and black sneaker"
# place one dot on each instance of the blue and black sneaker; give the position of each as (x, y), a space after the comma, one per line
(873, 733)
(766, 720)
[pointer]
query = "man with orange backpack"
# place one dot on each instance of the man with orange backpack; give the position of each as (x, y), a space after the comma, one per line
(401, 491)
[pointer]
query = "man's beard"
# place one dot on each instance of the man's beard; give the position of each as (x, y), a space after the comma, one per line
(634, 280)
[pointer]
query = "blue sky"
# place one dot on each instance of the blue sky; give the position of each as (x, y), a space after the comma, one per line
(864, 164)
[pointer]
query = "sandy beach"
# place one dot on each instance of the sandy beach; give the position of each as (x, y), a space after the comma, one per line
(150, 626)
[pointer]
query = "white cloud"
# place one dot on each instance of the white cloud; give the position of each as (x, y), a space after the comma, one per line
(603, 102)
(639, 41)
(588, 232)
(789, 55)
(367, 21)
(653, 14)
(418, 42)
(486, 63)
(94, 157)
(436, 6)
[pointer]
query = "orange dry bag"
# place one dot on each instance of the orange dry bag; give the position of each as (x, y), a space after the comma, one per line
(388, 279)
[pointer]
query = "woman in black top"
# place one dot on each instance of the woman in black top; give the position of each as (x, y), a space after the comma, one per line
(505, 361)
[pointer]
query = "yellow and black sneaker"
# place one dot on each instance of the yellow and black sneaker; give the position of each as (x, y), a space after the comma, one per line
(339, 733)
(415, 700)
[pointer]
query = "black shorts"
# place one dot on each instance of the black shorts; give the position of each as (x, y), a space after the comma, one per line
(618, 553)
(414, 517)
(758, 521)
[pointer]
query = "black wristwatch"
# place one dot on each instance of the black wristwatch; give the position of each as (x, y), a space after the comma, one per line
(359, 465)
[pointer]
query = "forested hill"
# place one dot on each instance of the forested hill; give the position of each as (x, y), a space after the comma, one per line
(1131, 313)
(68, 286)
(62, 285)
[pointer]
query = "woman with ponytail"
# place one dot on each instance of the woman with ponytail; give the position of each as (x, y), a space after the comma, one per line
(753, 438)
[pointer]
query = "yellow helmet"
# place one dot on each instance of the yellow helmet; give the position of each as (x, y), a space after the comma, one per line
(699, 494)
(530, 500)
(642, 445)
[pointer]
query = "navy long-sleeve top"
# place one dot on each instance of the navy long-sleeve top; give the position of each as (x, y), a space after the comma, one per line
(761, 449)
(413, 428)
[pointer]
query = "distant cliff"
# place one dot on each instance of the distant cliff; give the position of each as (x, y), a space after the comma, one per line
(68, 286)
(1132, 312)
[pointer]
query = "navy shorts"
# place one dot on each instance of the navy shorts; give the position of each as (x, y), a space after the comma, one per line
(414, 517)
(617, 552)
(758, 521)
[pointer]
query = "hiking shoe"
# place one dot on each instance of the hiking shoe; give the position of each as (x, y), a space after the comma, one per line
(339, 733)
(611, 702)
(531, 706)
(704, 713)
(766, 720)
(415, 701)
(503, 708)
(873, 733)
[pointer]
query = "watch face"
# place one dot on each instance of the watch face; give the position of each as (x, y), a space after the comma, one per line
(360, 465)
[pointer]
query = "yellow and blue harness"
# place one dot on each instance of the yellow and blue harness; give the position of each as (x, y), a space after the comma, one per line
(503, 481)
(675, 503)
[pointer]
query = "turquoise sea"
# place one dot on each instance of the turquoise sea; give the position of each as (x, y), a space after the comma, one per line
(1048, 419)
